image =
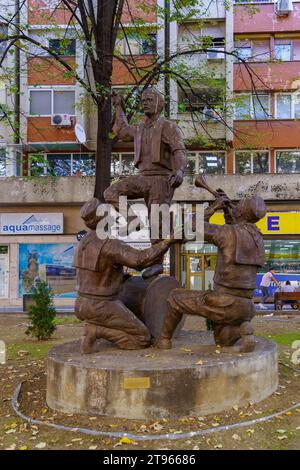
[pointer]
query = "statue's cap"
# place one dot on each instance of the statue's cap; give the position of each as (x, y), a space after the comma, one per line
(88, 212)
(252, 208)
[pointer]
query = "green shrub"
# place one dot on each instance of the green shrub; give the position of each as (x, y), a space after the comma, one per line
(42, 314)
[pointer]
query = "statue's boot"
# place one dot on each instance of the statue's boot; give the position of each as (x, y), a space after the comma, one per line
(88, 339)
(247, 341)
(161, 343)
(228, 335)
(153, 270)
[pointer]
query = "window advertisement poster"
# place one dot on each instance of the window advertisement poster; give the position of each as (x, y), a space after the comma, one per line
(50, 262)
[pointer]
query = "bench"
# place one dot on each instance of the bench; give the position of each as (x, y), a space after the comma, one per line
(291, 297)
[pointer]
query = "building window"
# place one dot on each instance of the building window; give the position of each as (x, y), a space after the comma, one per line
(49, 102)
(3, 162)
(63, 47)
(133, 45)
(251, 162)
(256, 50)
(288, 161)
(62, 164)
(252, 107)
(283, 49)
(206, 162)
(287, 106)
(122, 164)
(207, 102)
(149, 45)
(243, 49)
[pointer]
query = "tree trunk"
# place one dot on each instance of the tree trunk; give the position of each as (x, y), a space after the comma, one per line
(103, 150)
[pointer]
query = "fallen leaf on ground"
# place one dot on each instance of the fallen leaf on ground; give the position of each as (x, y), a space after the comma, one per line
(126, 440)
(41, 445)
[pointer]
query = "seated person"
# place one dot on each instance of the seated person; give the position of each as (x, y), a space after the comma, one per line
(288, 287)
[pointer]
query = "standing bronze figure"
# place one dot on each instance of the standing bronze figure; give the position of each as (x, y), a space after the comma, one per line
(160, 157)
(99, 265)
(240, 253)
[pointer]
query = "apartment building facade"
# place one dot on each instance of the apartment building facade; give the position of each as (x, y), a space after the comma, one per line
(250, 145)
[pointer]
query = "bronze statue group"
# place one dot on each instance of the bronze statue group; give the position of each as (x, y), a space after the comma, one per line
(160, 158)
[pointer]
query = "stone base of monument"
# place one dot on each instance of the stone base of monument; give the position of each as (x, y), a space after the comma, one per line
(190, 379)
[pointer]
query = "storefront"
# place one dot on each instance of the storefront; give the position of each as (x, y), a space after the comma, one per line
(281, 232)
(32, 247)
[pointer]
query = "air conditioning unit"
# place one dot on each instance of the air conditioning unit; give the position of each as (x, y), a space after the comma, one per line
(217, 54)
(284, 7)
(61, 120)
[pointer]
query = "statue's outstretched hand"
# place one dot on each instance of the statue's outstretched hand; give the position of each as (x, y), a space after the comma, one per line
(176, 179)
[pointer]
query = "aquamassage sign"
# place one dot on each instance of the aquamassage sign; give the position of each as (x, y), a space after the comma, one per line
(31, 223)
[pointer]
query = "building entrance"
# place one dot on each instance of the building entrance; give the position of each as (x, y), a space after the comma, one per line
(198, 270)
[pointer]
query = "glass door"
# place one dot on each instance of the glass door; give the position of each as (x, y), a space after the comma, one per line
(195, 272)
(4, 272)
(198, 271)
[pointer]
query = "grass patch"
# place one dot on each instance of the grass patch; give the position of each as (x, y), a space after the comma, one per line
(29, 350)
(285, 339)
(66, 320)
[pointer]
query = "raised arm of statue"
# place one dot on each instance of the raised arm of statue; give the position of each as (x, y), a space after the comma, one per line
(124, 255)
(121, 126)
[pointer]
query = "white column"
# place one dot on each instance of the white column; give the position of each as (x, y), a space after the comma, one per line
(229, 70)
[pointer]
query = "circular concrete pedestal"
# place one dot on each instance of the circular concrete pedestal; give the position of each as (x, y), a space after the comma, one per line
(189, 379)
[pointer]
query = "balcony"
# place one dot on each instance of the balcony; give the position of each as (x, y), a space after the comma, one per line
(40, 192)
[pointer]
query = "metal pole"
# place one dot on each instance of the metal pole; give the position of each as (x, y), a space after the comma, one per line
(167, 57)
(17, 80)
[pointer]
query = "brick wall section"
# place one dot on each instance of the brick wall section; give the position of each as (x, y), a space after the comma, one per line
(47, 71)
(40, 130)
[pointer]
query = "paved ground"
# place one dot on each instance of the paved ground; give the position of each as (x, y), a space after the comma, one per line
(26, 362)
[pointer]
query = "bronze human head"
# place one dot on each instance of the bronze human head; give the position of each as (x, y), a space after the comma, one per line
(88, 213)
(152, 101)
(250, 209)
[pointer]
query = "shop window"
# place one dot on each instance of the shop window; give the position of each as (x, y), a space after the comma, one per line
(287, 106)
(49, 102)
(63, 47)
(283, 49)
(288, 161)
(212, 162)
(251, 162)
(2, 162)
(51, 262)
(252, 107)
(284, 257)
